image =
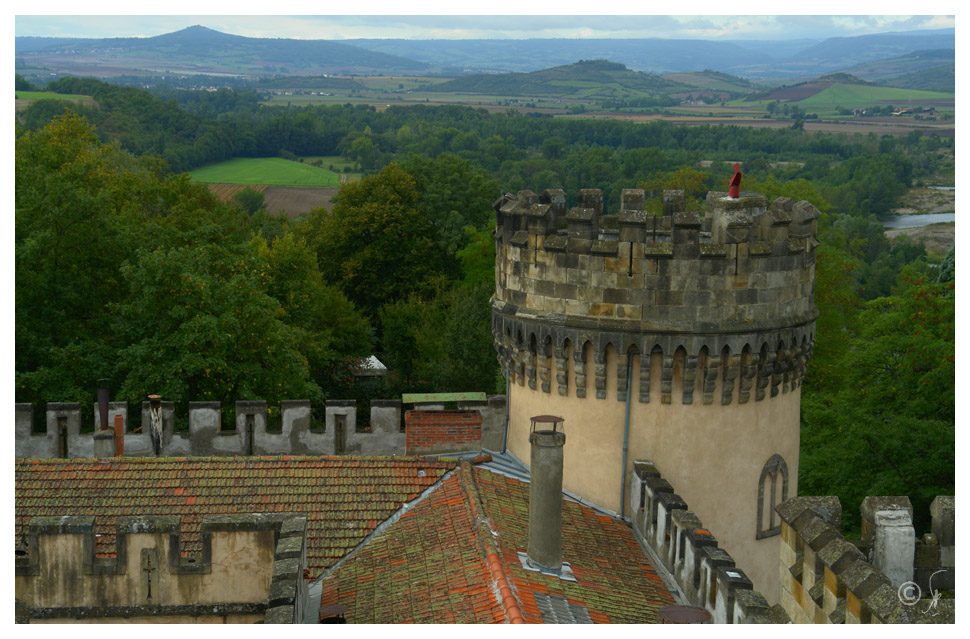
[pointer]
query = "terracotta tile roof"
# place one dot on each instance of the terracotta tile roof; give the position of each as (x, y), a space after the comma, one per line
(345, 498)
(614, 579)
(453, 558)
(428, 567)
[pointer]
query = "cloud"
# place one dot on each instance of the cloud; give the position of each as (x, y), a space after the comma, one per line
(340, 27)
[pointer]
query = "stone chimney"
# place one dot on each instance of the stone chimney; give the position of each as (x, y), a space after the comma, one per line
(887, 526)
(104, 443)
(545, 493)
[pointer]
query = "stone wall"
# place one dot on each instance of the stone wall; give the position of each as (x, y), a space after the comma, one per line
(707, 575)
(250, 569)
(208, 435)
(733, 289)
(828, 579)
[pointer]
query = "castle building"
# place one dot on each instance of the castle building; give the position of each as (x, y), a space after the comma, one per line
(677, 338)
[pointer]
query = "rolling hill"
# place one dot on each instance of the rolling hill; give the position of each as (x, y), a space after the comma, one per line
(584, 79)
(713, 81)
(941, 78)
(201, 50)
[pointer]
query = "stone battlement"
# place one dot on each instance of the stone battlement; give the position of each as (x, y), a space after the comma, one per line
(878, 579)
(209, 435)
(732, 288)
(706, 574)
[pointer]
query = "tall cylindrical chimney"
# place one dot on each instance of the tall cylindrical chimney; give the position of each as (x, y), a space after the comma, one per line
(545, 494)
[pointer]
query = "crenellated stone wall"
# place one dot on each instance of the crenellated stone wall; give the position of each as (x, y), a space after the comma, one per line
(732, 289)
(707, 575)
(208, 435)
(876, 580)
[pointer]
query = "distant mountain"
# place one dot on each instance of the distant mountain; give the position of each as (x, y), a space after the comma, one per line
(941, 78)
(29, 44)
(836, 54)
(586, 79)
(653, 55)
(883, 70)
(201, 50)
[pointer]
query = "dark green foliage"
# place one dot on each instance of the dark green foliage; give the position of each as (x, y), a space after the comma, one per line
(249, 199)
(887, 425)
(376, 245)
(128, 273)
(444, 345)
(22, 84)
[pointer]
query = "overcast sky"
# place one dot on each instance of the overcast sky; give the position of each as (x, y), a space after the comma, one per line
(564, 24)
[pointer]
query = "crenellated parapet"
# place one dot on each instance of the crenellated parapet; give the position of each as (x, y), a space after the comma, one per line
(725, 295)
(707, 574)
(56, 432)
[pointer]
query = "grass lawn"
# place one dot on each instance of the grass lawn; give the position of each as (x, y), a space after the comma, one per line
(47, 95)
(853, 96)
(271, 171)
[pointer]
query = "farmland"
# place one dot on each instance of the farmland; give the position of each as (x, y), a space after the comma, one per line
(268, 171)
(26, 98)
(291, 200)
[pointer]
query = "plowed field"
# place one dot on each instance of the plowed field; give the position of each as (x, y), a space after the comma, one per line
(293, 200)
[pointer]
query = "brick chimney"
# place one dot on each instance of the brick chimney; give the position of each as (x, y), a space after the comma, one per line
(545, 493)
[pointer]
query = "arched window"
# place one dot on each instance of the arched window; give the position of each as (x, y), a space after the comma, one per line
(775, 470)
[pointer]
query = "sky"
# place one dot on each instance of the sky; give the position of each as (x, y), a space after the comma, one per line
(529, 19)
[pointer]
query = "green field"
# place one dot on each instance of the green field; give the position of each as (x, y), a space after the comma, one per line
(397, 83)
(271, 171)
(47, 95)
(853, 96)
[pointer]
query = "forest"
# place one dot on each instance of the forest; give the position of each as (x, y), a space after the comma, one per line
(126, 270)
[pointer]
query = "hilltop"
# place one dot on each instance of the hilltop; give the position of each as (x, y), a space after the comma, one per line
(584, 79)
(200, 50)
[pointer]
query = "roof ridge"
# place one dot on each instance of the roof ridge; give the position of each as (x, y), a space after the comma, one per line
(511, 605)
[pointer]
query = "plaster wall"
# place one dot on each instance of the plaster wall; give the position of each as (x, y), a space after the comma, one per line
(165, 620)
(712, 454)
(241, 572)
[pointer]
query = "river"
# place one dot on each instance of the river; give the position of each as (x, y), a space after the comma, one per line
(915, 221)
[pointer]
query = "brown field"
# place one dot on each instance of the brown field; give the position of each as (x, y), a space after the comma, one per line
(937, 238)
(922, 200)
(225, 191)
(799, 92)
(297, 200)
(292, 200)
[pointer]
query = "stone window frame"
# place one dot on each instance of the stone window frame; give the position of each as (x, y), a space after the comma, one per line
(769, 524)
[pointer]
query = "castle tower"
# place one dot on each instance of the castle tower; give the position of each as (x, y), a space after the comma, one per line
(705, 322)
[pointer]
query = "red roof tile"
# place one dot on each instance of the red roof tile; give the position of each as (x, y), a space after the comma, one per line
(343, 497)
(443, 562)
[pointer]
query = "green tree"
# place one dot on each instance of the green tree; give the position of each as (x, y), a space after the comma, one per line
(889, 427)
(444, 345)
(329, 329)
(376, 245)
(452, 194)
(687, 179)
(250, 199)
(199, 325)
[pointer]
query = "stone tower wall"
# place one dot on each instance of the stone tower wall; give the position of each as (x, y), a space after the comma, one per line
(708, 319)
